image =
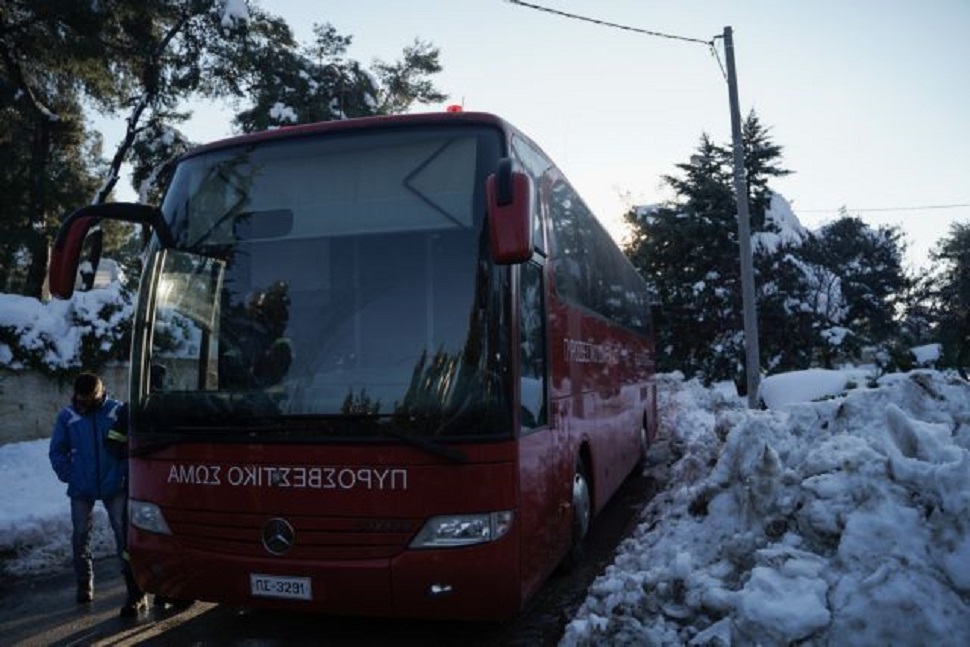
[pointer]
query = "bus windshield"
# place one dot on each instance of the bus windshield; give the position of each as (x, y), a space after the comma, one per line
(338, 280)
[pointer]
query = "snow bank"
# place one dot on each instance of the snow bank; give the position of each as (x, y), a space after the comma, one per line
(840, 522)
(801, 386)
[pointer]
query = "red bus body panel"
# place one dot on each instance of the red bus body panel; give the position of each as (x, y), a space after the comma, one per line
(603, 392)
(354, 512)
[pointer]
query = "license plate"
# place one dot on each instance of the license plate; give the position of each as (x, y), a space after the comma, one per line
(274, 586)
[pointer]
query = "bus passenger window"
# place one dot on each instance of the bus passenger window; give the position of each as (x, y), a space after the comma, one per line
(532, 347)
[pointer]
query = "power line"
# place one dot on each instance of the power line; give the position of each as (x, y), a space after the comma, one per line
(920, 208)
(604, 23)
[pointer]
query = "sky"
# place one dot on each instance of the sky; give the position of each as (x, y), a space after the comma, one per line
(843, 521)
(868, 98)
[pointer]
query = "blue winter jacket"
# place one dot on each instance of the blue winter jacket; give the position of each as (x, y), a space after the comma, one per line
(81, 455)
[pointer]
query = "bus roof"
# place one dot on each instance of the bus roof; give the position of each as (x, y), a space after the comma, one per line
(355, 124)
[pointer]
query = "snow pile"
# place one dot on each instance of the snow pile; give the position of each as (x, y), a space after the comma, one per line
(35, 515)
(800, 386)
(782, 228)
(844, 521)
(53, 333)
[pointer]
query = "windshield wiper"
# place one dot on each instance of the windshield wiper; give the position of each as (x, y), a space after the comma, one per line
(156, 442)
(383, 429)
(233, 212)
(151, 442)
(430, 446)
(265, 428)
(228, 175)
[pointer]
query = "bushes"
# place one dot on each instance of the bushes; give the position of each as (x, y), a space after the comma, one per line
(59, 337)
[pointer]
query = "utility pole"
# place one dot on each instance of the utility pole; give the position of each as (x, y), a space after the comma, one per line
(752, 363)
(752, 353)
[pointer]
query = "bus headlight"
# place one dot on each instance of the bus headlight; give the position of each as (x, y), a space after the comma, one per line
(148, 517)
(451, 530)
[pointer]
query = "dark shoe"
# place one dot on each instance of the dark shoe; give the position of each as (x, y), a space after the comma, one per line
(84, 596)
(134, 606)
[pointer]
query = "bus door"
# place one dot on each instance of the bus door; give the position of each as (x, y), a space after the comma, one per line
(540, 480)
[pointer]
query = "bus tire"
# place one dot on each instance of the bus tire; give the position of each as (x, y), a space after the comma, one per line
(582, 502)
(644, 447)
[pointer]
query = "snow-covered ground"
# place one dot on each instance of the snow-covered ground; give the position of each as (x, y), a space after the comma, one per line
(844, 521)
(839, 522)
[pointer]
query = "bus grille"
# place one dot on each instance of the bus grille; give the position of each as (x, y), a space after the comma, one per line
(316, 537)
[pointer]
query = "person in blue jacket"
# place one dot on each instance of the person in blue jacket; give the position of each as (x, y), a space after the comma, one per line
(89, 452)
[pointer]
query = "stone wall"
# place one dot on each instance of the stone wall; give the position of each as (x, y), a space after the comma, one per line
(29, 401)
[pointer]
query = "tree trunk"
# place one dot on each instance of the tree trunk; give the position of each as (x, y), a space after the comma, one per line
(36, 242)
(37, 270)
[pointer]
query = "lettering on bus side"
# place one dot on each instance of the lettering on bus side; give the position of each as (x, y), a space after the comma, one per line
(584, 352)
(641, 360)
(296, 477)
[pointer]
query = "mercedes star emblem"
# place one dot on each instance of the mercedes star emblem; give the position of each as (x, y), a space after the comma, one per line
(278, 536)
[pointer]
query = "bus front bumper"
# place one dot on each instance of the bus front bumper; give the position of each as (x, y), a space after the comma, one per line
(479, 583)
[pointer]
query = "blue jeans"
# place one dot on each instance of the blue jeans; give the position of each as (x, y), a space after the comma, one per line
(82, 521)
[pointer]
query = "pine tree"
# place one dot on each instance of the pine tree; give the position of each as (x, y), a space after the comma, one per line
(800, 309)
(688, 250)
(49, 58)
(294, 85)
(951, 288)
(761, 163)
(790, 293)
(405, 81)
(144, 60)
(869, 264)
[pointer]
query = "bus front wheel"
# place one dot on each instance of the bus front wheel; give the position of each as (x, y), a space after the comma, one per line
(644, 448)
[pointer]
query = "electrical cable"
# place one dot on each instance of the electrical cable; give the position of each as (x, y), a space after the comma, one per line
(919, 208)
(611, 24)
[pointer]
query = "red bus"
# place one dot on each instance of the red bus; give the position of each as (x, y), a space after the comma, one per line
(386, 366)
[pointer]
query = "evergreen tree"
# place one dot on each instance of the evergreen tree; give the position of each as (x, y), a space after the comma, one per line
(951, 289)
(49, 57)
(117, 55)
(821, 298)
(800, 309)
(761, 163)
(688, 250)
(297, 85)
(287, 85)
(869, 264)
(790, 293)
(143, 60)
(405, 82)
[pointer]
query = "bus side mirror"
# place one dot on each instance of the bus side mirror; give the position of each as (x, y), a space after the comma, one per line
(66, 252)
(65, 256)
(509, 196)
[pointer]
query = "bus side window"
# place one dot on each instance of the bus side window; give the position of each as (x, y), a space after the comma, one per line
(532, 347)
(536, 165)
